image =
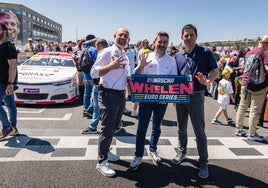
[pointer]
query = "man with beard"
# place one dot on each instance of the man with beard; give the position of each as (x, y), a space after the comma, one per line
(8, 71)
(112, 67)
(156, 62)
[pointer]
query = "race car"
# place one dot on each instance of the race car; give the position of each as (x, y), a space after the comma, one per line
(47, 78)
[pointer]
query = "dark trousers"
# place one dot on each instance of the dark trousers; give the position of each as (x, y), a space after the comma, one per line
(111, 106)
(195, 109)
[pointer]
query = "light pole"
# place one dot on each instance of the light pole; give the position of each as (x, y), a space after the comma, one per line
(76, 33)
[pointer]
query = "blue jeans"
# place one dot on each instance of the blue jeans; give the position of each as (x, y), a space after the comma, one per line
(96, 109)
(145, 111)
(195, 109)
(87, 95)
(9, 100)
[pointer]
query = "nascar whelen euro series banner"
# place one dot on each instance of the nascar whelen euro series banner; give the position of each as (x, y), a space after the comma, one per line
(160, 88)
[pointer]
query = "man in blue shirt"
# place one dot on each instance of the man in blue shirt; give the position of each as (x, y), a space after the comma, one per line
(88, 82)
(199, 63)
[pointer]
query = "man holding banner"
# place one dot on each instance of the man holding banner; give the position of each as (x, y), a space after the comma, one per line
(157, 62)
(199, 63)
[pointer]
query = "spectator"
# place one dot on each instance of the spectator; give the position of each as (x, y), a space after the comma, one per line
(77, 53)
(213, 86)
(254, 99)
(88, 82)
(69, 47)
(172, 50)
(237, 73)
(92, 127)
(142, 47)
(30, 48)
(39, 45)
(56, 47)
(225, 92)
(8, 72)
(46, 46)
(138, 47)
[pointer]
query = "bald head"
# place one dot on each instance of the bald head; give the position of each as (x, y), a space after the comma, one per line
(121, 38)
(122, 29)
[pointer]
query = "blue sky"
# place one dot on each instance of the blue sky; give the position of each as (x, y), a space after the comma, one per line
(214, 19)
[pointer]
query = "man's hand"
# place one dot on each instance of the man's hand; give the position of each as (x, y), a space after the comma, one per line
(143, 63)
(10, 90)
(116, 62)
(143, 60)
(202, 79)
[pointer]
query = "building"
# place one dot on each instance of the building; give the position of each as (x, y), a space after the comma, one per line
(235, 45)
(31, 24)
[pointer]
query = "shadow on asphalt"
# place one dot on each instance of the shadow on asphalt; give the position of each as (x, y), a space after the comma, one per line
(169, 123)
(165, 122)
(34, 144)
(185, 175)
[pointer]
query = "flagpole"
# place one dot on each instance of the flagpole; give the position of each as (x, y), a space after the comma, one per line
(76, 32)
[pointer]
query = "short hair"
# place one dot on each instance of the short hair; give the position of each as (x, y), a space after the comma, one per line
(160, 34)
(102, 42)
(172, 50)
(139, 43)
(145, 41)
(189, 26)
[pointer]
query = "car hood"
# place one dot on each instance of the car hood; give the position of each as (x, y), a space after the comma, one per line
(44, 74)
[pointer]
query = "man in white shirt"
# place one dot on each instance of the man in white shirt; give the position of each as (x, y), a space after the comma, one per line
(112, 67)
(156, 62)
(30, 48)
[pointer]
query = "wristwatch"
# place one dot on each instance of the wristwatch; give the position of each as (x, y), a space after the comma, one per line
(10, 83)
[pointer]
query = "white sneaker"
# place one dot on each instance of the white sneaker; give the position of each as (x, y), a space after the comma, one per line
(134, 113)
(105, 169)
(135, 163)
(113, 157)
(155, 157)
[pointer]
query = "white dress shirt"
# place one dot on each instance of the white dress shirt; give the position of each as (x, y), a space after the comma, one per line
(165, 65)
(116, 78)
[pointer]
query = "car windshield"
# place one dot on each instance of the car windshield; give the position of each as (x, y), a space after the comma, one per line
(49, 61)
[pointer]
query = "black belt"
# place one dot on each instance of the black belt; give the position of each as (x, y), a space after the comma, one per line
(113, 90)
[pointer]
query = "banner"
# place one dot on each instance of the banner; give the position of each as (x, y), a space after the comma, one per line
(160, 88)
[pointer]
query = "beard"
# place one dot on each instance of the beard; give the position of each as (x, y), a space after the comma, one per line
(121, 43)
(161, 50)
